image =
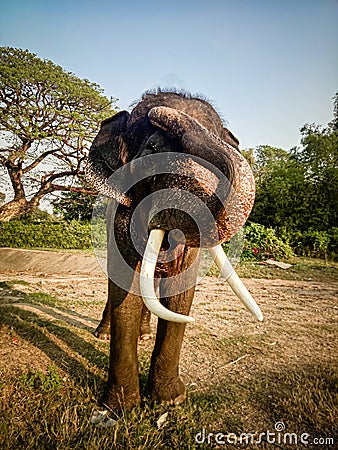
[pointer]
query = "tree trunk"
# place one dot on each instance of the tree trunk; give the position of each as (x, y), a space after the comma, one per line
(17, 208)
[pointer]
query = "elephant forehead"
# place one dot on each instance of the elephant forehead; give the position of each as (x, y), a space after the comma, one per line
(197, 108)
(187, 174)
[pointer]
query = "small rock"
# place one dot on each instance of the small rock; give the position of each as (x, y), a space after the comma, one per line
(162, 420)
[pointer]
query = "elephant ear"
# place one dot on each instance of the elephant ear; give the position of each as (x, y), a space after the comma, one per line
(229, 138)
(107, 154)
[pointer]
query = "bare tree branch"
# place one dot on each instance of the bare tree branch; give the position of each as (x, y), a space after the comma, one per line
(38, 160)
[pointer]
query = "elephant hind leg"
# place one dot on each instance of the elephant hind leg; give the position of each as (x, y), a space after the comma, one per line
(103, 330)
(145, 329)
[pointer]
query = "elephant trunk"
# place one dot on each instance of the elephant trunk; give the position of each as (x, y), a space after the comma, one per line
(231, 202)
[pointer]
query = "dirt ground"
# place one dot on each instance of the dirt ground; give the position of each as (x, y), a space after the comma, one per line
(300, 317)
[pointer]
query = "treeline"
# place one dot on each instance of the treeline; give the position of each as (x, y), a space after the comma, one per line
(258, 241)
(295, 212)
(297, 191)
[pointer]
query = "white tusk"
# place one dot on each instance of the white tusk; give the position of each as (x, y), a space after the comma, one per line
(236, 284)
(147, 280)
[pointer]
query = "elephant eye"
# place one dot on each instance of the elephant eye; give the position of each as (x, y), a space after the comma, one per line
(151, 145)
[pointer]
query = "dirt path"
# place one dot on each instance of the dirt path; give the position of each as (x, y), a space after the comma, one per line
(300, 317)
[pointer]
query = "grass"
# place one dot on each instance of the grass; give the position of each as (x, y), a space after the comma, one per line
(38, 298)
(9, 288)
(308, 269)
(47, 411)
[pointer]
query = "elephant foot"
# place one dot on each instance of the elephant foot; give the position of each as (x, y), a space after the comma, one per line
(145, 337)
(102, 332)
(116, 400)
(172, 392)
(145, 330)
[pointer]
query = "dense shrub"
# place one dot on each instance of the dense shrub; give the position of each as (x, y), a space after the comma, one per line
(262, 243)
(63, 235)
(333, 244)
(313, 243)
(259, 242)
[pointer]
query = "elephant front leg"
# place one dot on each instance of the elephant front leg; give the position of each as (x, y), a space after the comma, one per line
(164, 382)
(123, 381)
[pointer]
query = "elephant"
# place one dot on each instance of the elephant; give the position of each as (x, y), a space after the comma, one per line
(182, 185)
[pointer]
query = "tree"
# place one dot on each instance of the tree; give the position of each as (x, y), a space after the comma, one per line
(38, 215)
(48, 118)
(318, 157)
(298, 190)
(276, 177)
(334, 123)
(249, 155)
(74, 205)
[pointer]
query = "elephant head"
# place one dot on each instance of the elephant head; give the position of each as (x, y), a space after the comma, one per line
(212, 170)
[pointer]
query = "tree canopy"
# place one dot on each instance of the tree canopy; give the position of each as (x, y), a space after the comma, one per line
(74, 206)
(48, 117)
(298, 190)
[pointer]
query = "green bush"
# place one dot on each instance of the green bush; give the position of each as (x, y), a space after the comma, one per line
(62, 235)
(313, 243)
(259, 243)
(263, 243)
(333, 244)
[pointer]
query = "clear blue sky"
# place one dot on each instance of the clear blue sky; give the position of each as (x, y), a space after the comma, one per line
(269, 65)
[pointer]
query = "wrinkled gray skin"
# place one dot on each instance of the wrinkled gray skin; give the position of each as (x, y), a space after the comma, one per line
(123, 138)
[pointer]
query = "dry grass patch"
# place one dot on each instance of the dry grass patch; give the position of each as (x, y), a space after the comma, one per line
(242, 376)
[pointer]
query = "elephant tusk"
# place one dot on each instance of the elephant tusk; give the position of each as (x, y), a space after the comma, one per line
(236, 284)
(147, 280)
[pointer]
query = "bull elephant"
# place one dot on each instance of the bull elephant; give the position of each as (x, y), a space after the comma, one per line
(183, 185)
